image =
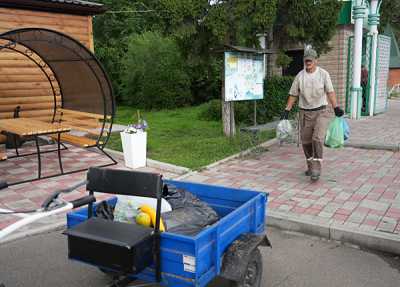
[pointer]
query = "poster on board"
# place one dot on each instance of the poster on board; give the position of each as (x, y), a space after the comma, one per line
(244, 76)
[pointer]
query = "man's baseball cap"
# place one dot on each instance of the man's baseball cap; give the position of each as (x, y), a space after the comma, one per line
(310, 54)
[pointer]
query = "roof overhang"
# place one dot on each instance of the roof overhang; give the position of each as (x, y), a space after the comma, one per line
(247, 50)
(56, 6)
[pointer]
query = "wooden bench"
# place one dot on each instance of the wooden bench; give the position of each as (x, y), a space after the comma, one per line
(88, 129)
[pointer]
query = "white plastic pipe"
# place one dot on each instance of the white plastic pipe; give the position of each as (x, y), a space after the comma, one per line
(29, 219)
(16, 214)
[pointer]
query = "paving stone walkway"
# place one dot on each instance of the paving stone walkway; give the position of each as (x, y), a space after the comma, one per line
(381, 131)
(31, 195)
(359, 188)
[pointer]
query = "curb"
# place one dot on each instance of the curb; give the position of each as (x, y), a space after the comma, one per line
(184, 172)
(167, 166)
(240, 154)
(376, 241)
(243, 153)
(372, 240)
(153, 163)
(393, 148)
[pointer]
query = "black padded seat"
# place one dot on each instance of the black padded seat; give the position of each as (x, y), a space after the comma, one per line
(121, 247)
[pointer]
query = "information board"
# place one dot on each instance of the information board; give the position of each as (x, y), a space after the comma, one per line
(244, 76)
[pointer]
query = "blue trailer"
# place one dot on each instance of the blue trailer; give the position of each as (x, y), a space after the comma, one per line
(228, 248)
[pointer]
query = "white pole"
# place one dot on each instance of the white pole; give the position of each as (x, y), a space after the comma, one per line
(15, 214)
(356, 90)
(373, 22)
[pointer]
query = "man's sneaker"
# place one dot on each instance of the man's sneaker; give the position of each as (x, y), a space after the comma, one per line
(315, 175)
(307, 172)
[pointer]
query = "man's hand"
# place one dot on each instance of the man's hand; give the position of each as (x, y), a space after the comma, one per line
(285, 115)
(338, 112)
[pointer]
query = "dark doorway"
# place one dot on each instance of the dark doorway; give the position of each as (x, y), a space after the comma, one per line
(297, 63)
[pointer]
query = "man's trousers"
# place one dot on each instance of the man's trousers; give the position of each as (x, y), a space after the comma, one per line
(313, 126)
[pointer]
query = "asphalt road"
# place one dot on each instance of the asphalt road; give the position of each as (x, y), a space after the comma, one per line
(295, 260)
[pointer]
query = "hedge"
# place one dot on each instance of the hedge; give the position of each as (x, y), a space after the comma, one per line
(154, 74)
(276, 91)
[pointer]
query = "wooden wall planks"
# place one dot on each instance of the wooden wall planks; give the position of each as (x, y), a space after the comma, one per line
(21, 81)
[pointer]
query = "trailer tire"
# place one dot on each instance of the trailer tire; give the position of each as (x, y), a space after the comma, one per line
(253, 275)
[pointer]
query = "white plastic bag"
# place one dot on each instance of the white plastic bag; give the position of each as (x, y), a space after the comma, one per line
(127, 206)
(126, 209)
(284, 130)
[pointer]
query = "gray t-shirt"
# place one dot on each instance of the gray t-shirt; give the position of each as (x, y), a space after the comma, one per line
(311, 88)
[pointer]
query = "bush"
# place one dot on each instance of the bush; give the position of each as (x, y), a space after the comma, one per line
(153, 75)
(276, 92)
(211, 111)
(110, 55)
(275, 97)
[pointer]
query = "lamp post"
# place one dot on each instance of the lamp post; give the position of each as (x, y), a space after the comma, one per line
(356, 90)
(373, 22)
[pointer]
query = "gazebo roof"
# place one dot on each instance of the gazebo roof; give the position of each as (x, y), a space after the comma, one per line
(84, 85)
(78, 7)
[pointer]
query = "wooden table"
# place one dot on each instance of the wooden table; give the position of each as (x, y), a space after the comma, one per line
(24, 127)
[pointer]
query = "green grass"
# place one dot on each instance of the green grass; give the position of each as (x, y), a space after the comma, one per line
(179, 137)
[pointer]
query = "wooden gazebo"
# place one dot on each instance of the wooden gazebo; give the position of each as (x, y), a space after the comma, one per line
(51, 78)
(22, 82)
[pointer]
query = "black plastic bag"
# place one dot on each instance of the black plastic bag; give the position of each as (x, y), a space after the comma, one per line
(189, 214)
(179, 198)
(105, 211)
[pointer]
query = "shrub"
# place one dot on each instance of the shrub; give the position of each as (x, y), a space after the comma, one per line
(154, 75)
(275, 97)
(211, 111)
(274, 102)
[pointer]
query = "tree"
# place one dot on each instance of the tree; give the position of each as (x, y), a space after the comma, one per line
(153, 73)
(203, 27)
(390, 13)
(307, 22)
(111, 30)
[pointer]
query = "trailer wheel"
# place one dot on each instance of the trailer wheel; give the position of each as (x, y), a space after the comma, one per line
(253, 275)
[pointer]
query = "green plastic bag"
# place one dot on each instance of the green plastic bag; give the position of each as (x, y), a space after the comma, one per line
(335, 134)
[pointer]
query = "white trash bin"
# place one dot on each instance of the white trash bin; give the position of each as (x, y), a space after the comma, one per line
(134, 146)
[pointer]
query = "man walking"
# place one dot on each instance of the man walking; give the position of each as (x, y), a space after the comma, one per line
(313, 87)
